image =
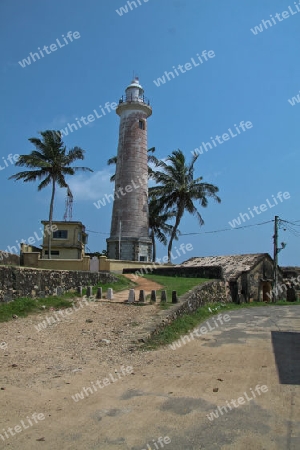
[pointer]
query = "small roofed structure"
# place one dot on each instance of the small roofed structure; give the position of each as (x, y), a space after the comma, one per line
(247, 277)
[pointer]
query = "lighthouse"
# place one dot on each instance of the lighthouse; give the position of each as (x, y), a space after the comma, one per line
(129, 233)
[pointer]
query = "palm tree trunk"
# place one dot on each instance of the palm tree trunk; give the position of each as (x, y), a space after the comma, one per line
(50, 218)
(153, 246)
(173, 234)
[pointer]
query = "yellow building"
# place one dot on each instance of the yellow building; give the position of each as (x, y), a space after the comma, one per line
(68, 240)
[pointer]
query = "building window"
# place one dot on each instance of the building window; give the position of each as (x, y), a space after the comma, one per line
(141, 124)
(60, 234)
(53, 252)
(143, 258)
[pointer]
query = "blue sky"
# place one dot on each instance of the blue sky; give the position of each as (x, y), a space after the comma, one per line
(251, 78)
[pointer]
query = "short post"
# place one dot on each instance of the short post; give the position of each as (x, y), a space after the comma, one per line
(131, 296)
(59, 290)
(163, 297)
(142, 296)
(99, 293)
(153, 296)
(110, 294)
(174, 297)
(89, 291)
(79, 291)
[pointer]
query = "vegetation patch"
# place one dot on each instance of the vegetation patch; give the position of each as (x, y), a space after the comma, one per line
(22, 307)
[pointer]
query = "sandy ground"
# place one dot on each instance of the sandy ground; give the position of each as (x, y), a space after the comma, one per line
(136, 397)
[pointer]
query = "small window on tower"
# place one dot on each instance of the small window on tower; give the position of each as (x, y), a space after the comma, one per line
(141, 124)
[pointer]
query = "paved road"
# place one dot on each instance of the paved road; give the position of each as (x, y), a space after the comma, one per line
(259, 346)
(172, 393)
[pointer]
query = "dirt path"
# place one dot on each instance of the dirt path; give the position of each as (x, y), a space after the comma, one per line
(142, 283)
(166, 393)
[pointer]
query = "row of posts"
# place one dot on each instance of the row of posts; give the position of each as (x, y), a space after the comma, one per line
(153, 296)
(89, 291)
(131, 296)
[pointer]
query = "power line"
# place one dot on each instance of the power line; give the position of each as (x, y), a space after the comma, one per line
(287, 226)
(97, 232)
(229, 229)
(291, 223)
(206, 232)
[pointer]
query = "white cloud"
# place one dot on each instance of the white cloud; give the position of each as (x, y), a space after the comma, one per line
(212, 175)
(59, 121)
(91, 186)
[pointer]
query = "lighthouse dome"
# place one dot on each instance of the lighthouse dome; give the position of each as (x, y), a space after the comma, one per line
(135, 84)
(134, 92)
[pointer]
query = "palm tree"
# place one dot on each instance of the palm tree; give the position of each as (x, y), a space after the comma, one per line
(179, 190)
(158, 225)
(50, 162)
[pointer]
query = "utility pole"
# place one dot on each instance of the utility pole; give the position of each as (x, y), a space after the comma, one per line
(275, 257)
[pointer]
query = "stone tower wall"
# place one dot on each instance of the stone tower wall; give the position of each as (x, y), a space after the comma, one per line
(131, 202)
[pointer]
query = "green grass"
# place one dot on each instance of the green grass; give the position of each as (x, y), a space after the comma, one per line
(188, 322)
(22, 307)
(179, 284)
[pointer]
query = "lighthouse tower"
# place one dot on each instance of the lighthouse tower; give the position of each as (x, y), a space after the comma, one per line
(129, 233)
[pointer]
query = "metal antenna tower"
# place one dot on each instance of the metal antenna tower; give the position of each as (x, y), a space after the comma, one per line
(69, 205)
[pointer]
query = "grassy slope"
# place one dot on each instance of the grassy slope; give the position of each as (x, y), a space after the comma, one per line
(179, 284)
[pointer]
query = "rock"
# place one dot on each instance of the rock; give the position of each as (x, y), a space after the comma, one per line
(89, 320)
